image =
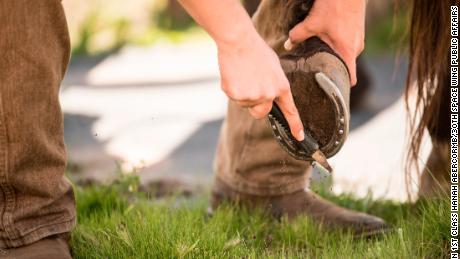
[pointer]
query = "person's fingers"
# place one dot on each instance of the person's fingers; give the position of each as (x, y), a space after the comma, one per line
(307, 29)
(288, 45)
(261, 110)
(247, 103)
(350, 62)
(287, 106)
(348, 56)
(352, 68)
(299, 33)
(242, 99)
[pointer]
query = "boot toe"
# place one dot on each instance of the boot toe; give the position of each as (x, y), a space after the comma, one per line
(369, 226)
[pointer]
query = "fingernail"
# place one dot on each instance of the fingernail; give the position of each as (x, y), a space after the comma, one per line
(302, 135)
(288, 45)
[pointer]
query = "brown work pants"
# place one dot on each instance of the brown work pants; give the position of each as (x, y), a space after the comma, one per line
(35, 198)
(250, 160)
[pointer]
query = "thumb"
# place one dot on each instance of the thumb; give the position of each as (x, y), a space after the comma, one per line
(299, 33)
(352, 68)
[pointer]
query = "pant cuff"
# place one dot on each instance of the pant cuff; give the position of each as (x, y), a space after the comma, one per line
(38, 234)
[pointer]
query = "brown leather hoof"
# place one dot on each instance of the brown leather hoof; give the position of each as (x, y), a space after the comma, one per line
(321, 89)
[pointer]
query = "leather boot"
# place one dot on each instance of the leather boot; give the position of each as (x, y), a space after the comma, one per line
(53, 247)
(302, 203)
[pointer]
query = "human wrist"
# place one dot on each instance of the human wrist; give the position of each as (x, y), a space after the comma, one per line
(240, 35)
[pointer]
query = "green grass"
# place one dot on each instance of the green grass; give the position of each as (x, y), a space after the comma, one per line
(119, 222)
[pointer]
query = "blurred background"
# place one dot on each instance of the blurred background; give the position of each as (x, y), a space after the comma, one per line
(142, 96)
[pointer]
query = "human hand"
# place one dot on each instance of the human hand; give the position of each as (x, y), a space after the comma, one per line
(252, 76)
(338, 23)
(251, 72)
